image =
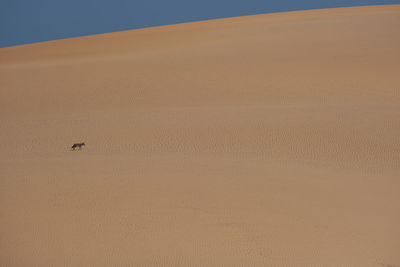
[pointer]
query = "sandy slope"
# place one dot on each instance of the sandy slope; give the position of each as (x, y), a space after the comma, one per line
(270, 140)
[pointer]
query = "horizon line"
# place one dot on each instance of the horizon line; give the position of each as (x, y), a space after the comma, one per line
(18, 44)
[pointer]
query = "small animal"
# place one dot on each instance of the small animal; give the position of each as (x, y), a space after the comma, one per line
(78, 145)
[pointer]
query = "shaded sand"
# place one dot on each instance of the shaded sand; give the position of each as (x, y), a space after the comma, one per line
(269, 140)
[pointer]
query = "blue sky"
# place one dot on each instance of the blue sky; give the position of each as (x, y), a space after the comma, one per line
(30, 21)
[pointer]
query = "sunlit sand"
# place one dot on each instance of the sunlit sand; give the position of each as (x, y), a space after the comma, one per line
(268, 140)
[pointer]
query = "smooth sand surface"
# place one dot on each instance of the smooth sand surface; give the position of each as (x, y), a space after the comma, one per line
(268, 140)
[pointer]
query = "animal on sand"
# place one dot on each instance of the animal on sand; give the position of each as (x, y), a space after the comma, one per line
(78, 145)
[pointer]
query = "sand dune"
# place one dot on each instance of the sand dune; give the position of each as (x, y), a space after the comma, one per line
(268, 140)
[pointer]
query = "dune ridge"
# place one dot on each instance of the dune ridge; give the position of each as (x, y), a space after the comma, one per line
(266, 140)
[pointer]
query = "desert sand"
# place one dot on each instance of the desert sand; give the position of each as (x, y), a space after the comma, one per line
(267, 140)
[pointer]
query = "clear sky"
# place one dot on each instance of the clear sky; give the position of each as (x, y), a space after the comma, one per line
(30, 21)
